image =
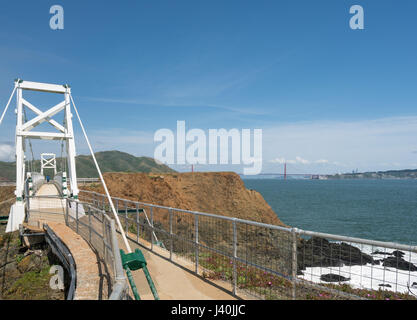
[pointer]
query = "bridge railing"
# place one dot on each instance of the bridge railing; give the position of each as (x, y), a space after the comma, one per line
(7, 183)
(84, 181)
(269, 261)
(96, 227)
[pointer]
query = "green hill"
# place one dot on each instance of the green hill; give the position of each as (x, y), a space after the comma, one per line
(109, 161)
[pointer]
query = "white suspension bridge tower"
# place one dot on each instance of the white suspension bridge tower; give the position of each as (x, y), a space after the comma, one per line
(27, 180)
(48, 161)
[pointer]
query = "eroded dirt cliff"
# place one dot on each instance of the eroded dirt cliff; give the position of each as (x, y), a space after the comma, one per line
(222, 193)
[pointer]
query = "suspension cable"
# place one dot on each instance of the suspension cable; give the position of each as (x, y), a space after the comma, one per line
(102, 181)
(64, 161)
(30, 145)
(63, 168)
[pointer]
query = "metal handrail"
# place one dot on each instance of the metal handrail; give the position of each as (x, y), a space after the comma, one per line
(212, 215)
(294, 236)
(388, 245)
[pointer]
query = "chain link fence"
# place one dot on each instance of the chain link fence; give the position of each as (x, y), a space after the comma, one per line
(268, 261)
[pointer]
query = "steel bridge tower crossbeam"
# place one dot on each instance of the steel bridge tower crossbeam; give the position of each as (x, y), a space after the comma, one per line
(48, 161)
(24, 129)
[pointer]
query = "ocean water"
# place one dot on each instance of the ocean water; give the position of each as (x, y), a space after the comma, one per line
(384, 210)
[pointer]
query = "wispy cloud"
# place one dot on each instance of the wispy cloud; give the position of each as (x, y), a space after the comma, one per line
(200, 78)
(29, 55)
(344, 144)
(7, 152)
(322, 161)
(297, 159)
(187, 85)
(136, 142)
(139, 102)
(322, 146)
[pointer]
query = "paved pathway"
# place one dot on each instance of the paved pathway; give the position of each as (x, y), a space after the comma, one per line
(87, 266)
(171, 281)
(51, 211)
(44, 209)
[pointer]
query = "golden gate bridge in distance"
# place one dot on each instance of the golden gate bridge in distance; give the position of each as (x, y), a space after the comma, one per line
(285, 175)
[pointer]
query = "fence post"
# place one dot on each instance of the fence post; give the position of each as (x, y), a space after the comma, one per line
(66, 211)
(170, 234)
(28, 207)
(103, 228)
(118, 269)
(76, 214)
(152, 232)
(126, 218)
(137, 222)
(234, 257)
(294, 263)
(196, 244)
(89, 222)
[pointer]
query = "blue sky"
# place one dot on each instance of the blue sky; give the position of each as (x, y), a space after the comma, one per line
(328, 98)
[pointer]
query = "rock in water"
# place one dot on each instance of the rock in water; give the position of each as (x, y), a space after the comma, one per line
(319, 252)
(381, 252)
(398, 263)
(331, 277)
(398, 254)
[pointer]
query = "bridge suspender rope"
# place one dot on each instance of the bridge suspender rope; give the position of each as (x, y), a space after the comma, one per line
(102, 180)
(30, 146)
(7, 106)
(131, 260)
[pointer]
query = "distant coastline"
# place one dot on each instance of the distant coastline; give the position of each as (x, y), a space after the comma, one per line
(391, 174)
(405, 174)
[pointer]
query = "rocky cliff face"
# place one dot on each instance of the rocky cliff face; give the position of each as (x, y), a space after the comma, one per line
(221, 193)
